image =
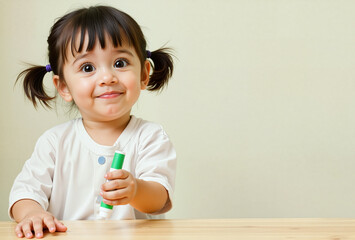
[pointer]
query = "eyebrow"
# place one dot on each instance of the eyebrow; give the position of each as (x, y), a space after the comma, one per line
(117, 51)
(124, 51)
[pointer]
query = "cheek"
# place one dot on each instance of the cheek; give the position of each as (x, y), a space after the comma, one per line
(81, 88)
(132, 82)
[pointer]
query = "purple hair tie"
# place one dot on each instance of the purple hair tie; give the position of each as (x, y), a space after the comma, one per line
(48, 68)
(149, 54)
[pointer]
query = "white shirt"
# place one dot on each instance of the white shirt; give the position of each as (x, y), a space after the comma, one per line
(67, 169)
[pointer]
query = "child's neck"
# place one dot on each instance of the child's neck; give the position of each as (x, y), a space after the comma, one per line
(106, 133)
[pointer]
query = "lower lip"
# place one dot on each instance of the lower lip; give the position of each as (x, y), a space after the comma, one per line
(108, 96)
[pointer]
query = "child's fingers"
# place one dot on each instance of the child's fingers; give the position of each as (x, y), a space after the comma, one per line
(27, 229)
(114, 185)
(36, 224)
(49, 222)
(18, 231)
(117, 174)
(122, 201)
(38, 227)
(60, 227)
(115, 195)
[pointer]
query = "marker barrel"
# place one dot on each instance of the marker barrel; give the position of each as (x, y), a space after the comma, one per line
(117, 162)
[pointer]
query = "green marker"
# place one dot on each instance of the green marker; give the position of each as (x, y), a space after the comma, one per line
(117, 162)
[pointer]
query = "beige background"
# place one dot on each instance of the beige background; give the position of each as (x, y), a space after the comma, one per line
(261, 107)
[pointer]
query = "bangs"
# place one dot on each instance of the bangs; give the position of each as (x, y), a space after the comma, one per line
(97, 24)
(79, 30)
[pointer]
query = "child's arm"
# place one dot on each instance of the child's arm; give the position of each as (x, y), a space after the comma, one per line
(32, 217)
(150, 196)
(145, 196)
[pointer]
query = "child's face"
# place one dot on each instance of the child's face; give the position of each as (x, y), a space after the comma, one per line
(104, 83)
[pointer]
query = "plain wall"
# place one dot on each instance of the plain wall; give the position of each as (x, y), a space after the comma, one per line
(261, 108)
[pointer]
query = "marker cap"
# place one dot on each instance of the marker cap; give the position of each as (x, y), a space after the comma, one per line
(117, 161)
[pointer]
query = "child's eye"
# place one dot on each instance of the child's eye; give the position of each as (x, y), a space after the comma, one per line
(120, 63)
(87, 68)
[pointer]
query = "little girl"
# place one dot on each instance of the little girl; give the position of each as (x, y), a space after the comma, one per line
(100, 64)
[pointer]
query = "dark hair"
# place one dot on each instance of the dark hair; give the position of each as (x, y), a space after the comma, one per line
(95, 22)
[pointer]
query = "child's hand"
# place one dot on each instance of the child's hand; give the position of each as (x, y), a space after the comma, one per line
(121, 188)
(37, 221)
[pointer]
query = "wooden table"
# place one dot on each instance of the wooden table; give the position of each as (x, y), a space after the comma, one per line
(196, 229)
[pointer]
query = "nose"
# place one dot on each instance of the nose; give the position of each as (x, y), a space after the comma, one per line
(107, 78)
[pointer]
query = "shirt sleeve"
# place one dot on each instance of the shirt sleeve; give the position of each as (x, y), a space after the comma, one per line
(157, 162)
(35, 179)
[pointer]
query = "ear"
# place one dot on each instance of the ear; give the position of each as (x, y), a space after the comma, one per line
(62, 88)
(145, 75)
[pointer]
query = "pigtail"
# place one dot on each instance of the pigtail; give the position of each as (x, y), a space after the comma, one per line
(162, 69)
(33, 85)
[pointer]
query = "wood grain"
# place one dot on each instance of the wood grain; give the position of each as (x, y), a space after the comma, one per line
(198, 229)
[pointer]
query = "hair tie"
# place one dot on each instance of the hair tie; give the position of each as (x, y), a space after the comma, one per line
(48, 68)
(149, 54)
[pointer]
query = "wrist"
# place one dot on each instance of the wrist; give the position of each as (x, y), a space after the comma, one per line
(136, 183)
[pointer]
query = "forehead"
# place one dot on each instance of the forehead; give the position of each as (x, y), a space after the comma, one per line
(83, 42)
